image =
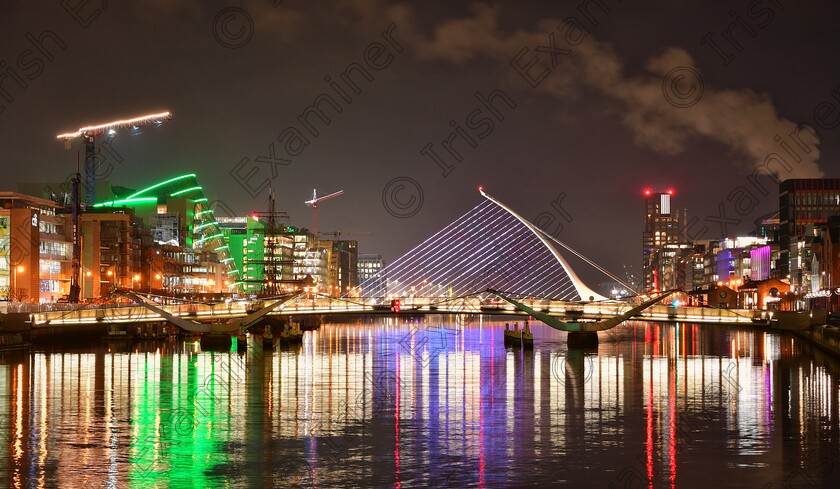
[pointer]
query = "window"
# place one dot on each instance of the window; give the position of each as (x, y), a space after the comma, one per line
(54, 248)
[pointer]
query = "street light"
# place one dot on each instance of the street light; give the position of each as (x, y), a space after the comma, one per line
(135, 278)
(157, 252)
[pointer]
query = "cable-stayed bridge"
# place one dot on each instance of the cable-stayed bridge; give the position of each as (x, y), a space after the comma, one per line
(451, 272)
(488, 247)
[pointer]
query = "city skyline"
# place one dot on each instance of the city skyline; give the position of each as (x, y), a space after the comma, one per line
(568, 127)
(384, 243)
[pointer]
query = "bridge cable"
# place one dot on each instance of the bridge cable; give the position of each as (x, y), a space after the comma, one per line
(587, 260)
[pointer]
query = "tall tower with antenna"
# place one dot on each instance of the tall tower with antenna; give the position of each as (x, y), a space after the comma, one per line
(660, 241)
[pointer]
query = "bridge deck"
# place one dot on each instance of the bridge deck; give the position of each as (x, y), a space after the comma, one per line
(206, 313)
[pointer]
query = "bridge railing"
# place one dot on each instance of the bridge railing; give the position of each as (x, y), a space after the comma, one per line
(36, 307)
(700, 314)
(322, 305)
(138, 313)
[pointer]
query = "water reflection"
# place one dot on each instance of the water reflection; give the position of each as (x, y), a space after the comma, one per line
(411, 403)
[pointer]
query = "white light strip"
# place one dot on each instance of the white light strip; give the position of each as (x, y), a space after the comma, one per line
(127, 122)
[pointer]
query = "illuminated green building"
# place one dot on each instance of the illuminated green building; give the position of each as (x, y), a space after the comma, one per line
(248, 244)
(162, 238)
(179, 214)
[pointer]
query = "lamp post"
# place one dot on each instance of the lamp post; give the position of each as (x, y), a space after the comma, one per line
(156, 275)
(135, 278)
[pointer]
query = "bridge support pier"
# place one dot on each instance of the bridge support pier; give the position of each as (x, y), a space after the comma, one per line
(584, 340)
(512, 337)
(215, 342)
(310, 323)
(268, 338)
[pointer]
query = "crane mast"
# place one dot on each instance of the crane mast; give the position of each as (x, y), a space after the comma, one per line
(75, 288)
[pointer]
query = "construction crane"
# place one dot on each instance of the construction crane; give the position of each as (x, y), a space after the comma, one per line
(314, 204)
(89, 134)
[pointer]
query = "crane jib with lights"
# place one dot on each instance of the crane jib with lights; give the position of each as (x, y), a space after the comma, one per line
(314, 204)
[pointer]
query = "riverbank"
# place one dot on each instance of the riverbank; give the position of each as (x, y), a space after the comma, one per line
(14, 330)
(826, 338)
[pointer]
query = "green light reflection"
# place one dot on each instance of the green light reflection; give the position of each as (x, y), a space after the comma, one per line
(180, 421)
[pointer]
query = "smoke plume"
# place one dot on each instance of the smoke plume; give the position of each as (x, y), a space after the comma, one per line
(742, 120)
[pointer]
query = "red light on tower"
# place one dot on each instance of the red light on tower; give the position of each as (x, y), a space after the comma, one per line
(647, 192)
(670, 191)
(481, 188)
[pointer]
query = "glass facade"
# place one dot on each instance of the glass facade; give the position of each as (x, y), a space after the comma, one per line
(803, 204)
(662, 249)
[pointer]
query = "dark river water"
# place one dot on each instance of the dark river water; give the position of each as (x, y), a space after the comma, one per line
(418, 403)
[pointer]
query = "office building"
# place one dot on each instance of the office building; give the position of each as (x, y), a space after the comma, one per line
(804, 205)
(663, 249)
(372, 278)
(35, 252)
(343, 260)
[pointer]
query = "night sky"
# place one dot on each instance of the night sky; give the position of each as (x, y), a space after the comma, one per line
(608, 100)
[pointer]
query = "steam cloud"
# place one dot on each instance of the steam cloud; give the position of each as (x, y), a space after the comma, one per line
(744, 121)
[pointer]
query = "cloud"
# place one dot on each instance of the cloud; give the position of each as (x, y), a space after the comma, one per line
(742, 120)
(739, 119)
